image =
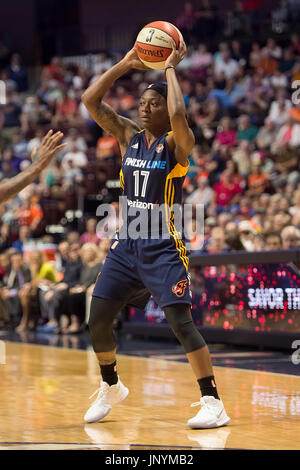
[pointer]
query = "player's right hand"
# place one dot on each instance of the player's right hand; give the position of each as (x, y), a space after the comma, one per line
(48, 148)
(133, 61)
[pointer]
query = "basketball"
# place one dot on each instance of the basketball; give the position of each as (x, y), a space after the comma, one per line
(154, 43)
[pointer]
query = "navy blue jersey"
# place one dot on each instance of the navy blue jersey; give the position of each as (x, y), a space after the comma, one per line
(136, 266)
(151, 176)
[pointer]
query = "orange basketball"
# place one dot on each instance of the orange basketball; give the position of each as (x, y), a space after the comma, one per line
(154, 43)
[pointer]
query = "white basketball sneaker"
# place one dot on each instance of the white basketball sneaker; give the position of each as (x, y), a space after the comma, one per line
(211, 415)
(107, 397)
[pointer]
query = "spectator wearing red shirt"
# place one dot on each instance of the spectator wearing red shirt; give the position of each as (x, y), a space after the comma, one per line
(226, 136)
(54, 70)
(66, 110)
(225, 190)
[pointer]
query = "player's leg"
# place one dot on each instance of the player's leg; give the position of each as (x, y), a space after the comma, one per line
(212, 413)
(102, 315)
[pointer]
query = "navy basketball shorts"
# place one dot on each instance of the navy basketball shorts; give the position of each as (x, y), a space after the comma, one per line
(134, 269)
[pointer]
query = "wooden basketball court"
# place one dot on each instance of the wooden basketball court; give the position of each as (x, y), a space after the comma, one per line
(44, 396)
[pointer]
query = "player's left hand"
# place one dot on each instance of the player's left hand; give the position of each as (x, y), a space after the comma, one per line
(133, 61)
(176, 55)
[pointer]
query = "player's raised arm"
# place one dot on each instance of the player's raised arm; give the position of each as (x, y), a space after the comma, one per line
(114, 124)
(182, 138)
(46, 152)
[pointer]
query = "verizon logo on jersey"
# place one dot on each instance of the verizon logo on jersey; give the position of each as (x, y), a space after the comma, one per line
(161, 165)
(140, 204)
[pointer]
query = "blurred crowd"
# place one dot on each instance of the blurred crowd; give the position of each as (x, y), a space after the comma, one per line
(243, 107)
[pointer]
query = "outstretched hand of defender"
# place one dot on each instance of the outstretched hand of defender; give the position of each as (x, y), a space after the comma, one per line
(133, 61)
(48, 148)
(176, 55)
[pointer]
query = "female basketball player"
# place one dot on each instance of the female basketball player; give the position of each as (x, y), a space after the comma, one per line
(155, 162)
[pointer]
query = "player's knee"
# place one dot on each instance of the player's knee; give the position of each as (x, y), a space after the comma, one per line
(180, 319)
(99, 318)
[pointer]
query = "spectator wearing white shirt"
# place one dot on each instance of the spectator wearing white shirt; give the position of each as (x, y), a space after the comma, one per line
(102, 63)
(202, 195)
(226, 66)
(273, 49)
(78, 158)
(279, 108)
(288, 136)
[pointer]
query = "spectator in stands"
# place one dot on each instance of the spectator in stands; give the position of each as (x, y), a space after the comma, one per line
(74, 137)
(258, 182)
(207, 20)
(246, 131)
(17, 72)
(91, 266)
(90, 235)
(72, 176)
(6, 170)
(273, 241)
(201, 59)
(10, 124)
(225, 134)
(66, 110)
(279, 109)
(273, 49)
(225, 191)
(25, 235)
(248, 236)
(102, 63)
(295, 44)
(35, 113)
(267, 64)
(232, 237)
(107, 147)
(296, 201)
(62, 256)
(281, 219)
(288, 61)
(186, 20)
(254, 13)
(242, 157)
(42, 275)
(30, 214)
(290, 236)
(78, 157)
(255, 55)
(203, 194)
(18, 276)
(54, 301)
(217, 243)
(226, 67)
(54, 71)
(266, 134)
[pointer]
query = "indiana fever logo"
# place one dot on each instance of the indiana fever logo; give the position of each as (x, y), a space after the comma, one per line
(179, 288)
